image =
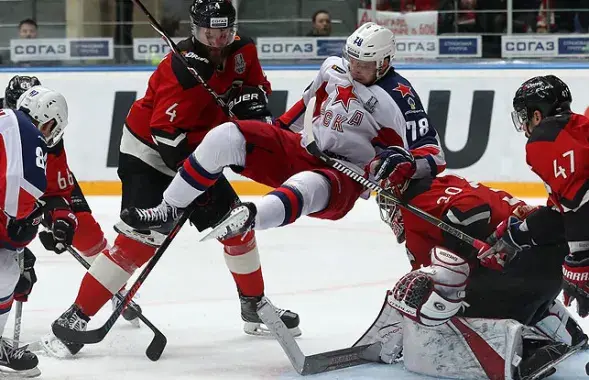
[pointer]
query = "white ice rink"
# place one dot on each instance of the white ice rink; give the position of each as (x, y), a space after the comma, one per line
(334, 274)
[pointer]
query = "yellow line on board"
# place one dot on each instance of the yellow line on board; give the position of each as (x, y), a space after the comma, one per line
(517, 189)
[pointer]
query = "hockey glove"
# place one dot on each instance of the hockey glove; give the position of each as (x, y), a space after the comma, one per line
(22, 231)
(27, 279)
(576, 283)
(510, 238)
(249, 102)
(62, 224)
(394, 165)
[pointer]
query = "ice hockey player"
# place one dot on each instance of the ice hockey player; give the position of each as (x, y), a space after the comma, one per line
(160, 132)
(363, 107)
(41, 115)
(501, 324)
(557, 150)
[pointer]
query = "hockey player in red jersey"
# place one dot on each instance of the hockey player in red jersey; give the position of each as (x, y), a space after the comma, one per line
(363, 108)
(160, 132)
(40, 117)
(448, 282)
(557, 150)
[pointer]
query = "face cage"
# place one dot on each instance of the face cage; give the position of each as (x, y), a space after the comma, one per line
(519, 119)
(390, 213)
(55, 136)
(211, 36)
(346, 63)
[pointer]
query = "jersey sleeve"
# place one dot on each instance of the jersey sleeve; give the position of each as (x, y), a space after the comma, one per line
(178, 102)
(292, 119)
(561, 162)
(60, 182)
(23, 168)
(402, 116)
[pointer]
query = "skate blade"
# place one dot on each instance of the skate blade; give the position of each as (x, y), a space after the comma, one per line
(51, 346)
(148, 237)
(228, 228)
(260, 329)
(6, 373)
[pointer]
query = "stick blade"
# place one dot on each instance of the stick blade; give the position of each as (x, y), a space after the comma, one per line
(156, 347)
(74, 336)
(333, 360)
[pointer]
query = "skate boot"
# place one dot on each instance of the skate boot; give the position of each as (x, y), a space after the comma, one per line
(128, 314)
(149, 225)
(237, 222)
(73, 319)
(254, 325)
(17, 362)
(539, 359)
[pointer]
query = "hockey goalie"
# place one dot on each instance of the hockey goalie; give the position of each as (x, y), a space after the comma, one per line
(456, 317)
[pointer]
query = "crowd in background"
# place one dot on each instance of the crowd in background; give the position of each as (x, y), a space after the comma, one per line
(486, 17)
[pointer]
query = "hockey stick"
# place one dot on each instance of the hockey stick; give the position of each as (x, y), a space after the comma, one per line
(19, 304)
(318, 363)
(97, 335)
(158, 28)
(311, 146)
(159, 341)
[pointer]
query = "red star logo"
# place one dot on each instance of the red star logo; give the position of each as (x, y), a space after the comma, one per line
(404, 90)
(345, 95)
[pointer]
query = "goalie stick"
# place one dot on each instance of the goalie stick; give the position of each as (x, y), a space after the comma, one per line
(97, 335)
(174, 48)
(311, 146)
(159, 341)
(318, 363)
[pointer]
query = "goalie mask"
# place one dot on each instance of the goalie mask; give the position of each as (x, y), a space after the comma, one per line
(390, 212)
(16, 87)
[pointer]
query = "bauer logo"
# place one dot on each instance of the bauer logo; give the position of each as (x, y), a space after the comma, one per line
(219, 22)
(537, 46)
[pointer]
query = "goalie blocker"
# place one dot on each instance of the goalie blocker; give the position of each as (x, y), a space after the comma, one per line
(418, 320)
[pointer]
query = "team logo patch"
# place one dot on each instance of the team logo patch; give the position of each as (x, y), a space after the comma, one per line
(219, 22)
(239, 64)
(370, 105)
(411, 103)
(404, 90)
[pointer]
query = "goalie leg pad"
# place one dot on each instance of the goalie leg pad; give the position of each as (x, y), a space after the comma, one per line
(560, 326)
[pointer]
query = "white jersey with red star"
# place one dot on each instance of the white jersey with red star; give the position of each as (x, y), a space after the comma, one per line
(354, 122)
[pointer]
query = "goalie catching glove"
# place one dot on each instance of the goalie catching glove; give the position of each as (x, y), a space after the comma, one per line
(433, 294)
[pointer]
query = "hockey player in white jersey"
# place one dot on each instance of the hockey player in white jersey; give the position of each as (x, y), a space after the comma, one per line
(365, 114)
(41, 115)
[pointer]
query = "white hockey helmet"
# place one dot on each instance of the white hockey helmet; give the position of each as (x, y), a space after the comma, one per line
(43, 105)
(371, 43)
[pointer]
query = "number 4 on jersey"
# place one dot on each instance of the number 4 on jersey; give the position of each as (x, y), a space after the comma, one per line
(560, 171)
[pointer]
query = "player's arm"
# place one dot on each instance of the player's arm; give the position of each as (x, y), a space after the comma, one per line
(292, 118)
(177, 104)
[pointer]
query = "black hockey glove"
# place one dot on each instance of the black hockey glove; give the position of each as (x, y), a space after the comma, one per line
(22, 231)
(510, 237)
(27, 279)
(61, 222)
(250, 103)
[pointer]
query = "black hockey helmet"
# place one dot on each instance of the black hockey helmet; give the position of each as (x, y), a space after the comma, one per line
(537, 94)
(17, 86)
(213, 22)
(562, 90)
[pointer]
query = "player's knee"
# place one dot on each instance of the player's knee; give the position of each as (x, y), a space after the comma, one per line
(130, 254)
(314, 188)
(224, 145)
(9, 271)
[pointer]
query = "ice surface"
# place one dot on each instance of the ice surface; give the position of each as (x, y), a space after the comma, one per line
(334, 274)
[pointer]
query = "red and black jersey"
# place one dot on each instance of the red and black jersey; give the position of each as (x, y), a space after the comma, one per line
(558, 152)
(60, 182)
(176, 112)
(473, 208)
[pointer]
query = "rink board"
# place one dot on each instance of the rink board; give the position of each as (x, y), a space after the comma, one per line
(469, 104)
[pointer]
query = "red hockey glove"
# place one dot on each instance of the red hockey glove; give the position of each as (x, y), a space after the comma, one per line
(576, 283)
(62, 223)
(395, 165)
(506, 242)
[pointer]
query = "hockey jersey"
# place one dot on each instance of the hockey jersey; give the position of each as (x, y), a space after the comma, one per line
(23, 158)
(354, 122)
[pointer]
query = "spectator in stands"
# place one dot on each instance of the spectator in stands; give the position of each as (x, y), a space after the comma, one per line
(321, 24)
(567, 21)
(27, 28)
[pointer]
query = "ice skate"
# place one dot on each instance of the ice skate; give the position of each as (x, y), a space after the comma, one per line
(237, 222)
(254, 325)
(150, 225)
(72, 319)
(17, 363)
(128, 314)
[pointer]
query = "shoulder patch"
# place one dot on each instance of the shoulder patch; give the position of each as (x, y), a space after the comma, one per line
(549, 128)
(338, 69)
